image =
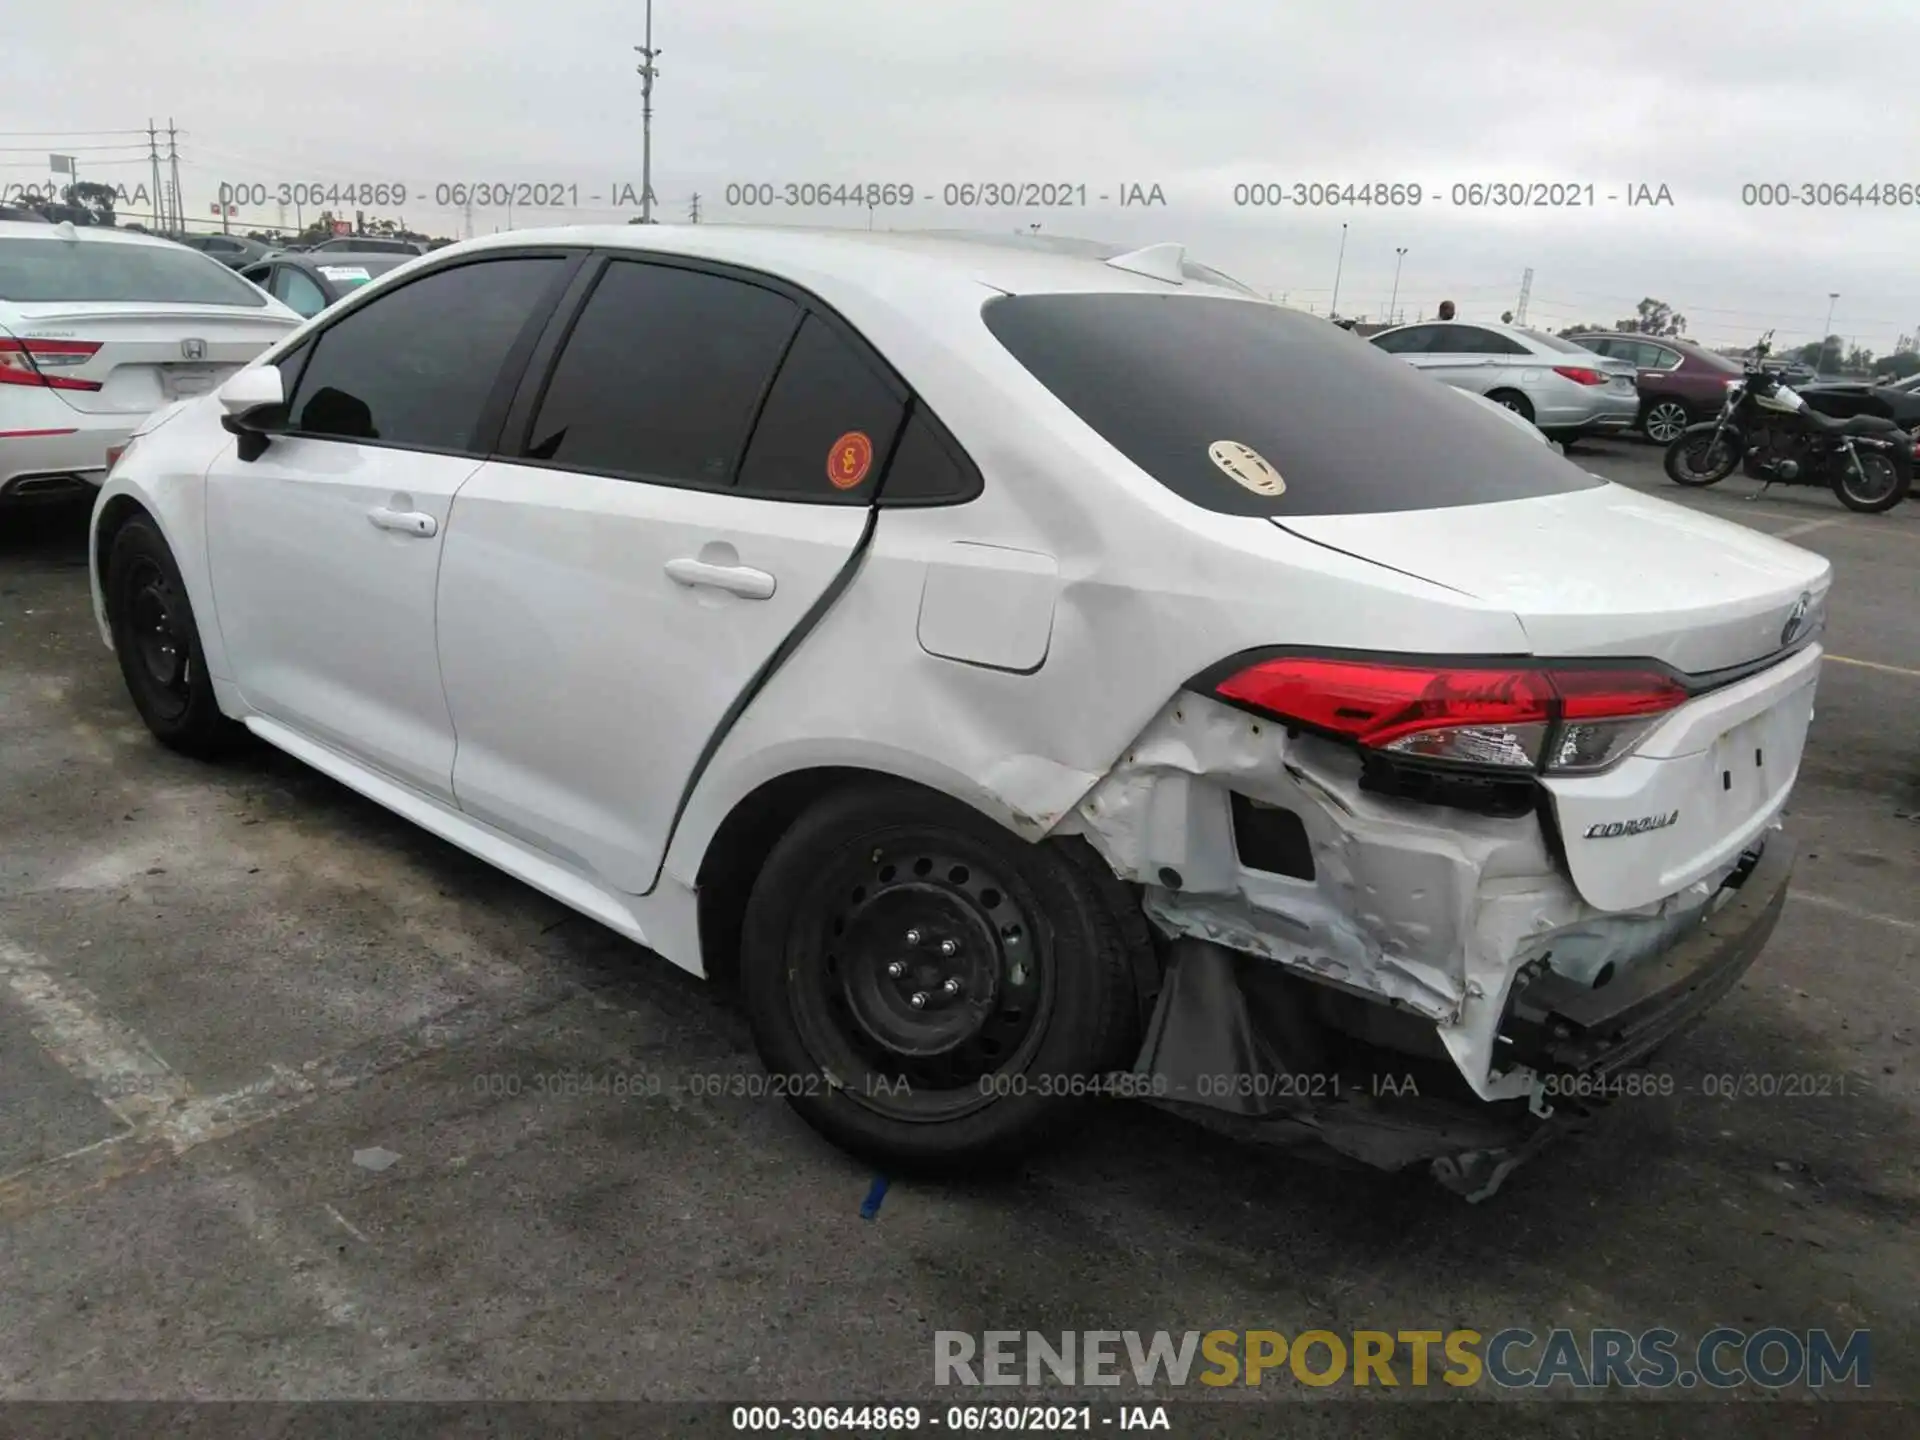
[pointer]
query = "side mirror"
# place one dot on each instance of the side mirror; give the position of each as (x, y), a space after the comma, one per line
(254, 403)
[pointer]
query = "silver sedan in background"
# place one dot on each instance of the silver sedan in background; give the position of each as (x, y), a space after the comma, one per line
(1563, 388)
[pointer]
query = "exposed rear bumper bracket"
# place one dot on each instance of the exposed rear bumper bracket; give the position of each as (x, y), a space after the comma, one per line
(1558, 1026)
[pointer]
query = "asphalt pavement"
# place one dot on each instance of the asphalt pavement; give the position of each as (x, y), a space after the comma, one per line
(276, 1121)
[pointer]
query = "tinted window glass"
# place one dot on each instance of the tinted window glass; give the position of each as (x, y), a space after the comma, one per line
(415, 367)
(1554, 342)
(1410, 341)
(662, 375)
(34, 270)
(297, 290)
(828, 425)
(928, 469)
(1598, 344)
(1350, 431)
(1472, 340)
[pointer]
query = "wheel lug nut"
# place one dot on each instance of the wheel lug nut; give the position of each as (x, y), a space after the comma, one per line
(897, 969)
(949, 947)
(913, 937)
(919, 1000)
(952, 987)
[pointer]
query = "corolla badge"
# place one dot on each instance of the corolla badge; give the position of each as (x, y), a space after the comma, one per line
(1245, 466)
(1612, 829)
(1797, 621)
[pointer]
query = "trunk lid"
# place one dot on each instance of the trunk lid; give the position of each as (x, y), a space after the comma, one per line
(1607, 572)
(149, 354)
(1603, 571)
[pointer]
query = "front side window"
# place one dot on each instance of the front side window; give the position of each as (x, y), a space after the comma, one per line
(1184, 386)
(33, 271)
(662, 375)
(416, 366)
(1414, 340)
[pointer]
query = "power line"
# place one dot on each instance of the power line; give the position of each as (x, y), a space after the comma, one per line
(58, 134)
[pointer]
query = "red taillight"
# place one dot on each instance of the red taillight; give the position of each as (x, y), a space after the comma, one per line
(38, 362)
(1580, 375)
(1564, 718)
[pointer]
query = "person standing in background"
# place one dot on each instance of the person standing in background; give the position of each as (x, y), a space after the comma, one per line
(1446, 309)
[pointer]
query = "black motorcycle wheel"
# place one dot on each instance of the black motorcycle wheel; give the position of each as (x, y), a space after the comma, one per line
(1697, 459)
(1882, 481)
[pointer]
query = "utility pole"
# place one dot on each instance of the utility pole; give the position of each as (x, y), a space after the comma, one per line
(153, 155)
(173, 158)
(693, 211)
(648, 72)
(1333, 306)
(469, 215)
(1526, 289)
(1833, 297)
(1399, 257)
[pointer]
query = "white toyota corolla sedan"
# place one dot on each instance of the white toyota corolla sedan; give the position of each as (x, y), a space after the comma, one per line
(1024, 676)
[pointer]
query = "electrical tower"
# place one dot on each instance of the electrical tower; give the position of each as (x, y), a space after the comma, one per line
(693, 210)
(648, 72)
(1526, 289)
(173, 158)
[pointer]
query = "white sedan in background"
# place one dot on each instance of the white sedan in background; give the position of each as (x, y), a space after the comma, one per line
(1024, 676)
(98, 329)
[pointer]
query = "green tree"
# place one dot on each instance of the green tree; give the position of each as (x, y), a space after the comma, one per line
(1654, 317)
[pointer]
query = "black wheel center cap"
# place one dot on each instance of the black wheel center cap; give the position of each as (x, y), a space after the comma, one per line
(920, 967)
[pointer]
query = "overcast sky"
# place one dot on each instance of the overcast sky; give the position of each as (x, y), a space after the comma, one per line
(1197, 98)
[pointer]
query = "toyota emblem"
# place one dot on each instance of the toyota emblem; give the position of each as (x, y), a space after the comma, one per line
(1797, 620)
(193, 349)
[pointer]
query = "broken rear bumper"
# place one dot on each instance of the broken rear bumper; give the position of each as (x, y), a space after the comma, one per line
(1557, 1026)
(1243, 1045)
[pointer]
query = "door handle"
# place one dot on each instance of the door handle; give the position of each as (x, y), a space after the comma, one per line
(407, 522)
(739, 580)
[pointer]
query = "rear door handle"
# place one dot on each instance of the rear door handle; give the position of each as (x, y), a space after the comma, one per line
(407, 522)
(739, 580)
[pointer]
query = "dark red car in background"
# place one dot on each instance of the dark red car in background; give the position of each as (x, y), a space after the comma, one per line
(1679, 382)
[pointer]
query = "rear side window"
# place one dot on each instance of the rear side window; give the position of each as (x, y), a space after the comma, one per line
(662, 375)
(828, 425)
(1185, 386)
(415, 367)
(37, 270)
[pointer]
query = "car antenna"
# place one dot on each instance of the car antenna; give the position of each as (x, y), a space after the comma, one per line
(1156, 262)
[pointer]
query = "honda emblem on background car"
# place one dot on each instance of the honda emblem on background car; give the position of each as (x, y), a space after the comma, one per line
(1796, 619)
(193, 349)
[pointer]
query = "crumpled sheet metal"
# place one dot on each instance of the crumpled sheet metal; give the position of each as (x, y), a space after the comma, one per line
(1431, 909)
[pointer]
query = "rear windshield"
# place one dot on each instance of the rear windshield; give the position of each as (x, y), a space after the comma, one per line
(1187, 386)
(37, 270)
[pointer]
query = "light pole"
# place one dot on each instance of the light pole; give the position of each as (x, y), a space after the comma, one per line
(1333, 309)
(1825, 330)
(647, 74)
(1399, 256)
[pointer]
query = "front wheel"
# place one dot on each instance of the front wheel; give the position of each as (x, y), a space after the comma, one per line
(1880, 483)
(157, 643)
(931, 992)
(1702, 455)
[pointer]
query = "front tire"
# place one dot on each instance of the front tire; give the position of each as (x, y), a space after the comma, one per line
(157, 643)
(1888, 478)
(1695, 459)
(930, 992)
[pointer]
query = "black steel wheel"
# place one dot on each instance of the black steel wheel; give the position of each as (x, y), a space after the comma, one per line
(1880, 482)
(157, 644)
(1699, 456)
(929, 990)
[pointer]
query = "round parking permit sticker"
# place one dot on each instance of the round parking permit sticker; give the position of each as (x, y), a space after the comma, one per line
(849, 460)
(1246, 466)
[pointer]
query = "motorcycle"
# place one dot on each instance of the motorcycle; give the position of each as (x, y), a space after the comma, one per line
(1768, 429)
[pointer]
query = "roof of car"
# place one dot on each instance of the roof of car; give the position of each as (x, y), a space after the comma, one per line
(314, 259)
(91, 234)
(1678, 342)
(871, 260)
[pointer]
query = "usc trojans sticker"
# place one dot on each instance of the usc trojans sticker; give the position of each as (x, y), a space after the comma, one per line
(849, 460)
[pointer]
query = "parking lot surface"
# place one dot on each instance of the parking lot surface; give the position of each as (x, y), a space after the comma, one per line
(281, 1115)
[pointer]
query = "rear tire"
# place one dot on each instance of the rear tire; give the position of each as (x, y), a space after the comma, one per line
(1694, 460)
(1515, 402)
(1023, 958)
(157, 643)
(1890, 477)
(1664, 419)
